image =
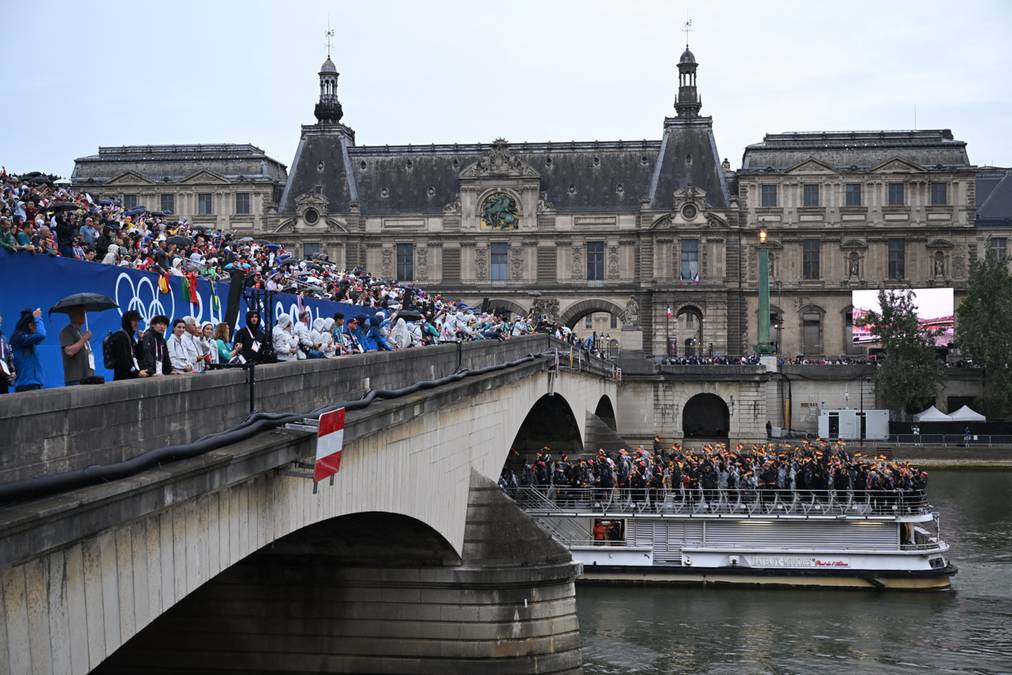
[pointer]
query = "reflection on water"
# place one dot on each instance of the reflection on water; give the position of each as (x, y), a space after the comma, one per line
(705, 630)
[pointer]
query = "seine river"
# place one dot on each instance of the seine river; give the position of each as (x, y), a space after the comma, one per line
(968, 630)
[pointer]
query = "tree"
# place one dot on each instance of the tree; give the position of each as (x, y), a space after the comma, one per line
(908, 376)
(984, 330)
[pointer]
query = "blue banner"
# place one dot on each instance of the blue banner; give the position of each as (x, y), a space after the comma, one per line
(29, 281)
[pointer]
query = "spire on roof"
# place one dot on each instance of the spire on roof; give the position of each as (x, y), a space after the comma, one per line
(688, 103)
(328, 109)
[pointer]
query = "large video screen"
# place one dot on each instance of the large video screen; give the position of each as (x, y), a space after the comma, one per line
(934, 312)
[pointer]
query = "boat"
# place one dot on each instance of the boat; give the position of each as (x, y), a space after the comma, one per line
(858, 539)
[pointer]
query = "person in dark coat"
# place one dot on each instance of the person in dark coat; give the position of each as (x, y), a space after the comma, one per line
(154, 352)
(126, 349)
(251, 338)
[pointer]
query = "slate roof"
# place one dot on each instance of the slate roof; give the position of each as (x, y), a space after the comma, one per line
(863, 150)
(994, 196)
(175, 162)
(593, 176)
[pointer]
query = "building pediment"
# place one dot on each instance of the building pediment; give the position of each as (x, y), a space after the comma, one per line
(204, 177)
(130, 178)
(811, 166)
(897, 165)
(499, 163)
(854, 244)
(939, 243)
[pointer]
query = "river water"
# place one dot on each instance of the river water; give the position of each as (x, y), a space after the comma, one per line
(644, 629)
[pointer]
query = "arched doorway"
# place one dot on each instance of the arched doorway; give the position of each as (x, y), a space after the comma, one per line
(550, 422)
(706, 416)
(689, 331)
(580, 310)
(606, 412)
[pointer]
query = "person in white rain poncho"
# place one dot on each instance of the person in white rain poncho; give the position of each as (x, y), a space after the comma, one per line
(285, 344)
(400, 335)
(327, 345)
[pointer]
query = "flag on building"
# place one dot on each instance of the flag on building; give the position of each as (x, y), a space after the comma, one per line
(329, 442)
(669, 313)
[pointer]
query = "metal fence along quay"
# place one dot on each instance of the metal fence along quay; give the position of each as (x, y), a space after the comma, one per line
(744, 502)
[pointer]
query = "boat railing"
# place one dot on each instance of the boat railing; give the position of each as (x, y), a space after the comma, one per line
(741, 501)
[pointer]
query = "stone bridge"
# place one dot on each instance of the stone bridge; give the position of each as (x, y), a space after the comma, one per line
(412, 561)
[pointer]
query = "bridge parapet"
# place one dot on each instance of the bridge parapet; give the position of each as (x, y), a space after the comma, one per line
(58, 430)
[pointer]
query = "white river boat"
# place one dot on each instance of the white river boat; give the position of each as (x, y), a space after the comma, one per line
(857, 539)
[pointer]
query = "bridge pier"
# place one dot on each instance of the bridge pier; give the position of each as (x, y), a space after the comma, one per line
(379, 593)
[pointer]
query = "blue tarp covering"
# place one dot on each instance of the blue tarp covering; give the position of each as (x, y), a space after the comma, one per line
(29, 281)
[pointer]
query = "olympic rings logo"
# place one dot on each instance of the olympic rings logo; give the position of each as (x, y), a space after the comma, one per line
(143, 298)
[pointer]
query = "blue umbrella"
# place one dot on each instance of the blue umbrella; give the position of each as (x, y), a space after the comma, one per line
(136, 211)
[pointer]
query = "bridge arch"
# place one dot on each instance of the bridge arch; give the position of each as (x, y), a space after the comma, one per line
(706, 416)
(550, 422)
(606, 412)
(585, 307)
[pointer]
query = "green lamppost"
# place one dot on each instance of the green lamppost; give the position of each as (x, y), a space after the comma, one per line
(764, 345)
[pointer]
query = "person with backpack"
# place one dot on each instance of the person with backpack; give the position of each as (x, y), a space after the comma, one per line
(121, 349)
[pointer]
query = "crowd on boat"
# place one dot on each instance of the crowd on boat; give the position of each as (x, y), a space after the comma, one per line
(39, 217)
(816, 470)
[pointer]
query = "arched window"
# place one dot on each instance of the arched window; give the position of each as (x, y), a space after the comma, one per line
(689, 328)
(811, 330)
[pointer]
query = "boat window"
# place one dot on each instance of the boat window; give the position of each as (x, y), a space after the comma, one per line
(609, 532)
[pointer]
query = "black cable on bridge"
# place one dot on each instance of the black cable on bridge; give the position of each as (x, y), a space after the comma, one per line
(253, 424)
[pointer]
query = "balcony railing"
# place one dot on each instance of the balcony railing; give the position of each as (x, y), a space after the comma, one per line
(746, 502)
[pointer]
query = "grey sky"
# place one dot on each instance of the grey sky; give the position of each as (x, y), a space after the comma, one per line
(82, 74)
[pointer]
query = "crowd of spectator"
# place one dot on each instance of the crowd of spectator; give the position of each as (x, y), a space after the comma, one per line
(40, 217)
(717, 474)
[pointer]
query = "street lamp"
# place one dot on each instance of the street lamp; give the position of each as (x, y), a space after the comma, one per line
(763, 346)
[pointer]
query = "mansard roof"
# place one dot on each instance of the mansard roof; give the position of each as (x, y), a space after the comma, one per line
(575, 177)
(164, 163)
(856, 150)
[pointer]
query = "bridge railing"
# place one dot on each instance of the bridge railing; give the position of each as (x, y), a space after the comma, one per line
(70, 428)
(742, 502)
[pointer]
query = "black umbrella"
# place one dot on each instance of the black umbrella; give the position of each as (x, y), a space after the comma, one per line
(179, 240)
(63, 206)
(409, 315)
(90, 302)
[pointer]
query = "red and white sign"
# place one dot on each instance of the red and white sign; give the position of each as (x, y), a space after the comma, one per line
(329, 442)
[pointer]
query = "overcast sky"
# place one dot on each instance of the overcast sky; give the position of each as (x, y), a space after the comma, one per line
(82, 74)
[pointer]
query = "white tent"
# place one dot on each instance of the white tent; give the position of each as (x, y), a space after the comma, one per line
(967, 414)
(932, 414)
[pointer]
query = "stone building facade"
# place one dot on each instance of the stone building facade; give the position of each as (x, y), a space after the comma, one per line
(853, 210)
(659, 234)
(228, 187)
(630, 228)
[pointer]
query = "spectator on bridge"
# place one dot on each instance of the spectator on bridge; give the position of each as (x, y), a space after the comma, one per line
(302, 330)
(286, 345)
(226, 350)
(29, 332)
(193, 337)
(7, 372)
(75, 348)
(155, 358)
(182, 353)
(250, 338)
(323, 337)
(208, 343)
(376, 333)
(125, 348)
